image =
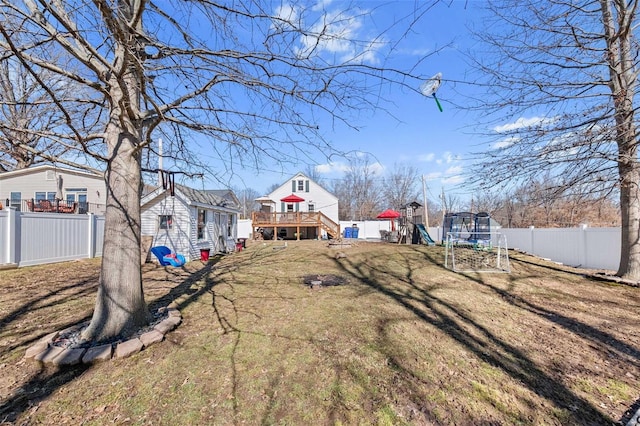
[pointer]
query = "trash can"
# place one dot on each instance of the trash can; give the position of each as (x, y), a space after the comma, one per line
(347, 232)
(204, 254)
(354, 232)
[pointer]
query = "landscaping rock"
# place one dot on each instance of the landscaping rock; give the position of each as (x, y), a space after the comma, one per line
(49, 354)
(98, 354)
(70, 356)
(128, 348)
(151, 337)
(36, 349)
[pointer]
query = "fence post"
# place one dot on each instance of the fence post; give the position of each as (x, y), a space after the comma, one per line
(12, 235)
(582, 241)
(532, 244)
(92, 235)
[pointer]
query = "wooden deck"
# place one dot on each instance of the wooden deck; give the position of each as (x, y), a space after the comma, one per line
(299, 221)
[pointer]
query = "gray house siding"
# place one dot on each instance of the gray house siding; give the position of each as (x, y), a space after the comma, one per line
(44, 178)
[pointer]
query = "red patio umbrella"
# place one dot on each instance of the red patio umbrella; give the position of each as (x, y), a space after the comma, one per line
(293, 198)
(389, 214)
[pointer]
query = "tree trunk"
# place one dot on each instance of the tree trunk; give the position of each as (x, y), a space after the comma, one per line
(630, 212)
(622, 84)
(120, 307)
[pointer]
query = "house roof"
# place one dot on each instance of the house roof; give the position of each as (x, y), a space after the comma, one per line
(195, 196)
(224, 193)
(205, 197)
(299, 174)
(42, 167)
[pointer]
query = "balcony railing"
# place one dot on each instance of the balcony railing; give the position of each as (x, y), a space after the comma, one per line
(289, 219)
(55, 206)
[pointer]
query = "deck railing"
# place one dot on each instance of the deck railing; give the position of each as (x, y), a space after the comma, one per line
(53, 206)
(288, 219)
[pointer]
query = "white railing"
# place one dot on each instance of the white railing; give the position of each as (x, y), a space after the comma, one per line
(37, 238)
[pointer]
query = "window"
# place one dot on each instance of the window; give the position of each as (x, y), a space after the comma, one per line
(41, 196)
(312, 208)
(16, 200)
(300, 185)
(202, 221)
(165, 221)
(83, 206)
(289, 208)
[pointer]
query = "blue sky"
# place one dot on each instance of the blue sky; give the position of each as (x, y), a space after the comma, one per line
(436, 143)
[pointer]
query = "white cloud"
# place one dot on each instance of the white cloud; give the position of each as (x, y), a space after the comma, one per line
(453, 180)
(286, 16)
(332, 167)
(418, 51)
(522, 123)
(433, 176)
(376, 168)
(340, 33)
(427, 157)
(504, 143)
(321, 5)
(454, 170)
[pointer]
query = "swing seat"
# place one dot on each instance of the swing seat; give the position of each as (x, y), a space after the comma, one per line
(166, 258)
(174, 260)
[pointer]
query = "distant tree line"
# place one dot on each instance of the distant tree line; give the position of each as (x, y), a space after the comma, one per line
(363, 192)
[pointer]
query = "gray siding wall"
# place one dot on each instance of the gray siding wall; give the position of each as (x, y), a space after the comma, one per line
(45, 181)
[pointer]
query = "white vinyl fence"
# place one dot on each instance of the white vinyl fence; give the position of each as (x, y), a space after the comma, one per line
(36, 238)
(591, 248)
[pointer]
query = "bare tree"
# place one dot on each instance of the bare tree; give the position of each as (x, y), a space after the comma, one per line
(234, 82)
(247, 198)
(359, 191)
(400, 187)
(568, 72)
(27, 115)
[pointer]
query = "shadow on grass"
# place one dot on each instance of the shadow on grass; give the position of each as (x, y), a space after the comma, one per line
(49, 300)
(48, 379)
(421, 302)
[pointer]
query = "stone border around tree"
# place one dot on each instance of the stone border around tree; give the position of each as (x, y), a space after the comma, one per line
(45, 352)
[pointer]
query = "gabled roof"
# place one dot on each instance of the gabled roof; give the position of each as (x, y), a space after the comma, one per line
(225, 193)
(300, 174)
(204, 198)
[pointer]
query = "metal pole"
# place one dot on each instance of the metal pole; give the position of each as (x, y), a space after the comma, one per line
(426, 208)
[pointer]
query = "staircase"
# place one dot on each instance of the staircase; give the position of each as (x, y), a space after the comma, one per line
(331, 228)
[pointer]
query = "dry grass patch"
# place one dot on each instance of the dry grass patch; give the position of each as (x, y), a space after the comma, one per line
(402, 340)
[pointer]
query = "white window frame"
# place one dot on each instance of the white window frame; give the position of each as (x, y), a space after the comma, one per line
(201, 226)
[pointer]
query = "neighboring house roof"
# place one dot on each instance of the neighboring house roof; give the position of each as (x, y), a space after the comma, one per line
(225, 193)
(204, 198)
(43, 167)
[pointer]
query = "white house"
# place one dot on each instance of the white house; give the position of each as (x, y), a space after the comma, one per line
(53, 189)
(190, 221)
(299, 208)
